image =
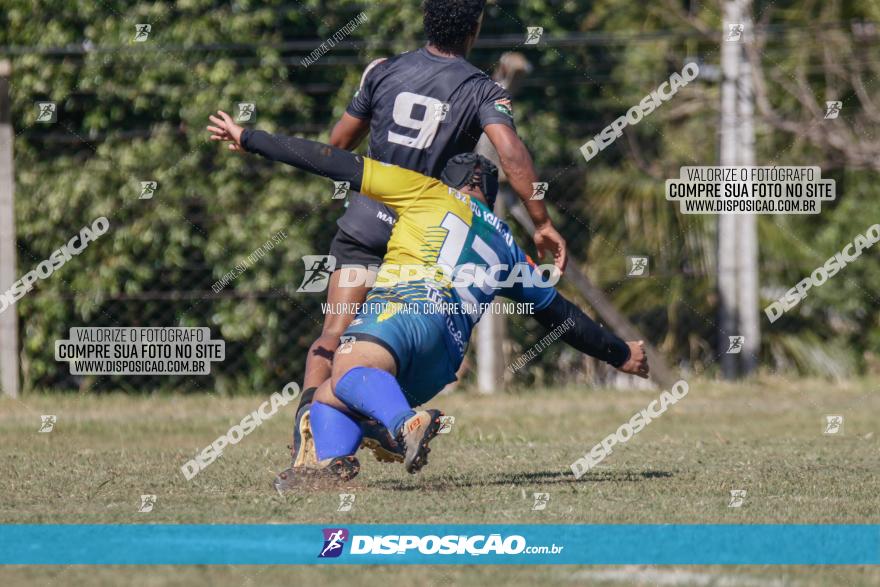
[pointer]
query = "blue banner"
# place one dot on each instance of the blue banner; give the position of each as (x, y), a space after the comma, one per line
(276, 544)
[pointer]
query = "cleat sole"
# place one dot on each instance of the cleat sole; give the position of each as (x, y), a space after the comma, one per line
(382, 455)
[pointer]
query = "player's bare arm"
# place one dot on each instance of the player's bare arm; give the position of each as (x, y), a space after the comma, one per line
(520, 170)
(349, 132)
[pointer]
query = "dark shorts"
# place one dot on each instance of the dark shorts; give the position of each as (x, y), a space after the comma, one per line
(367, 221)
(350, 251)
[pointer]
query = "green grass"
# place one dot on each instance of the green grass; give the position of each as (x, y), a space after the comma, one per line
(440, 576)
(764, 437)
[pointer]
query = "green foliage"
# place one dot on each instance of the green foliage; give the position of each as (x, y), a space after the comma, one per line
(131, 112)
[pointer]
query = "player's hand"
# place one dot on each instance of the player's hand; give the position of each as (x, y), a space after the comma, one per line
(225, 129)
(548, 240)
(638, 360)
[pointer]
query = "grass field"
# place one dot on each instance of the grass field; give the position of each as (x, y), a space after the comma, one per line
(765, 437)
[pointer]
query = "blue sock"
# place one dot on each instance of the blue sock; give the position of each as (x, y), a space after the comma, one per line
(377, 394)
(336, 434)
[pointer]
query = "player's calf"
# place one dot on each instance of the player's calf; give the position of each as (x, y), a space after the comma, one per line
(302, 452)
(376, 439)
(377, 394)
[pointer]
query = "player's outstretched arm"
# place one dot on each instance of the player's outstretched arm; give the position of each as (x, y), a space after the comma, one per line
(520, 170)
(349, 131)
(583, 334)
(312, 156)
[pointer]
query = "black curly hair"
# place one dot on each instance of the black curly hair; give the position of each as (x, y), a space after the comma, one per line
(450, 23)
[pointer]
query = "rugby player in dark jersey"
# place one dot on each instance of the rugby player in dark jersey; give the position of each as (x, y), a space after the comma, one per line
(420, 109)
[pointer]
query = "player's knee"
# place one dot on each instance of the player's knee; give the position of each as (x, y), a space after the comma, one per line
(324, 394)
(340, 370)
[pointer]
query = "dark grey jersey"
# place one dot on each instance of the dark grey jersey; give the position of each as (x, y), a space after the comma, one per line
(423, 110)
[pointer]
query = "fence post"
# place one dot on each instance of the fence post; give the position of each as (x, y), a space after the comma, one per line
(9, 382)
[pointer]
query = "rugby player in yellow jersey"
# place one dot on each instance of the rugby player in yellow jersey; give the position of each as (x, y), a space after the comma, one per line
(447, 258)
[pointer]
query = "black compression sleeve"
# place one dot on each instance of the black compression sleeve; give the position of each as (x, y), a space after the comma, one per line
(311, 156)
(580, 332)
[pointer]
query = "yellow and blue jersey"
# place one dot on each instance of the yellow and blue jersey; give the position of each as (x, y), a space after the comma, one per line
(447, 258)
(439, 226)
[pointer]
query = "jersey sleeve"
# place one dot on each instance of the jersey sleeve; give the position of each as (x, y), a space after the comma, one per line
(394, 186)
(361, 105)
(538, 293)
(494, 104)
